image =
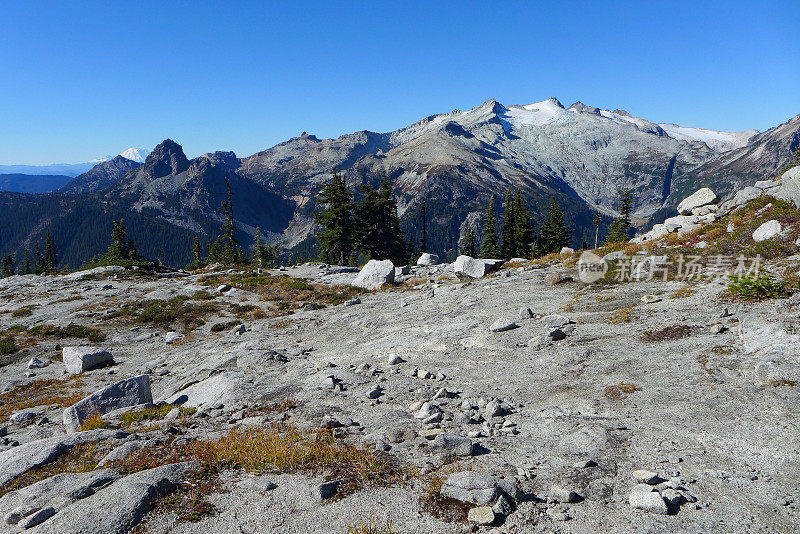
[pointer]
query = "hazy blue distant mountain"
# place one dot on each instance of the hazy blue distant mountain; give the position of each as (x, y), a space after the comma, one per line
(100, 176)
(32, 183)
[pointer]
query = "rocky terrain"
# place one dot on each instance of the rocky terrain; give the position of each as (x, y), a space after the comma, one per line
(473, 396)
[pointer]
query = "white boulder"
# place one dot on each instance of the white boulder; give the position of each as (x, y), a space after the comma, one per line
(790, 186)
(701, 197)
(467, 266)
(768, 230)
(375, 275)
(427, 259)
(80, 359)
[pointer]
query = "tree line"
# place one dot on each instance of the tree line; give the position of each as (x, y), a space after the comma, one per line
(519, 238)
(369, 228)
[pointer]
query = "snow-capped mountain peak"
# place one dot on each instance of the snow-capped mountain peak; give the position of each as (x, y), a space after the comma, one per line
(135, 154)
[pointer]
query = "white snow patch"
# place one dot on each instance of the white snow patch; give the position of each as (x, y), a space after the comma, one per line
(536, 114)
(720, 141)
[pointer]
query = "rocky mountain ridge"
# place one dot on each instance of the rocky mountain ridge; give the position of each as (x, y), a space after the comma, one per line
(455, 161)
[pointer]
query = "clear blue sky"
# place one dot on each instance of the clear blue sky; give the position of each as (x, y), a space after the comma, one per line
(86, 79)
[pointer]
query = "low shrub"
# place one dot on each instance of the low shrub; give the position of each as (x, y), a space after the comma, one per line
(756, 288)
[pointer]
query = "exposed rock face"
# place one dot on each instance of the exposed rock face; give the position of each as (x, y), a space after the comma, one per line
(789, 186)
(129, 392)
(165, 159)
(701, 197)
(764, 155)
(101, 176)
(80, 359)
(375, 275)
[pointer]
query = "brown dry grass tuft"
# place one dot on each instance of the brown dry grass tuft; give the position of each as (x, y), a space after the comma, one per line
(286, 292)
(620, 391)
(285, 448)
(94, 422)
(668, 333)
(682, 293)
(277, 448)
(79, 459)
(156, 413)
(371, 526)
(622, 315)
(439, 506)
(42, 392)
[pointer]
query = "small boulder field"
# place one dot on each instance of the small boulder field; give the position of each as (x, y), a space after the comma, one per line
(657, 394)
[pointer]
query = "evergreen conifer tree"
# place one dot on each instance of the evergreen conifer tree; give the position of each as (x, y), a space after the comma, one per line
(336, 239)
(424, 217)
(596, 223)
(468, 243)
(379, 235)
(507, 245)
(523, 228)
(197, 254)
(26, 266)
(227, 247)
(50, 253)
(263, 254)
(620, 228)
(555, 232)
(7, 266)
(39, 266)
(489, 247)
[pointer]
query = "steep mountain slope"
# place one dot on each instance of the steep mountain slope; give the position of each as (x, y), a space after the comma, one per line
(166, 202)
(101, 176)
(454, 162)
(32, 183)
(730, 171)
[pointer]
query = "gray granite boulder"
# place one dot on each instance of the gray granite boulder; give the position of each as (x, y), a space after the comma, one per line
(128, 392)
(80, 359)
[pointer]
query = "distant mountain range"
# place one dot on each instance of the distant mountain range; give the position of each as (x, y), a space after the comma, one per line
(45, 178)
(455, 162)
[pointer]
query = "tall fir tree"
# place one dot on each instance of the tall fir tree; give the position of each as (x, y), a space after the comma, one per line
(424, 218)
(379, 235)
(263, 254)
(507, 245)
(122, 248)
(197, 254)
(226, 249)
(596, 223)
(620, 228)
(468, 246)
(7, 266)
(489, 247)
(39, 267)
(555, 232)
(27, 268)
(523, 228)
(50, 253)
(336, 239)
